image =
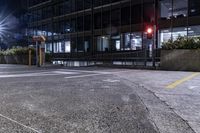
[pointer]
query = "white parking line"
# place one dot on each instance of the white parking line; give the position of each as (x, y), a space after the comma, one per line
(82, 76)
(51, 73)
(111, 81)
(85, 71)
(25, 75)
(27, 127)
(98, 71)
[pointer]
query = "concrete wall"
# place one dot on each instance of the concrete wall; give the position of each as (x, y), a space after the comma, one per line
(181, 60)
(10, 59)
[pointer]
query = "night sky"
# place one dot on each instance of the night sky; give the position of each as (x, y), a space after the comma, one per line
(11, 12)
(14, 6)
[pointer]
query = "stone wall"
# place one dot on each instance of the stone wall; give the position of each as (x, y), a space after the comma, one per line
(181, 60)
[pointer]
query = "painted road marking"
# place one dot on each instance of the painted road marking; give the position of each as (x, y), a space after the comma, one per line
(193, 87)
(98, 71)
(53, 73)
(82, 76)
(85, 71)
(18, 123)
(65, 73)
(111, 81)
(178, 82)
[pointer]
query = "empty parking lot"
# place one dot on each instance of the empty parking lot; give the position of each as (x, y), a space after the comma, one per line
(97, 100)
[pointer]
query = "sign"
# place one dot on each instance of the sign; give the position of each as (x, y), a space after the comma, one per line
(39, 39)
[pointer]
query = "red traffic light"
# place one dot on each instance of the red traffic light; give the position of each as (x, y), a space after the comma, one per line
(149, 30)
(149, 33)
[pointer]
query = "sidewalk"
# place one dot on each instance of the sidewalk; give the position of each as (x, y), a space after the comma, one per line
(179, 90)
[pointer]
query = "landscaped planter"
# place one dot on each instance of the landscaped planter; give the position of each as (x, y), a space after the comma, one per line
(14, 59)
(2, 59)
(180, 59)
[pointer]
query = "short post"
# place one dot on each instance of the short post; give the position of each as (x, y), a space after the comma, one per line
(37, 54)
(41, 60)
(30, 57)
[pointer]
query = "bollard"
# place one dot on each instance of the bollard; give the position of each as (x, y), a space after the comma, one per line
(30, 58)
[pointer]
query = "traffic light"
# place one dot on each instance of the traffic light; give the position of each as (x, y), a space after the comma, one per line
(150, 32)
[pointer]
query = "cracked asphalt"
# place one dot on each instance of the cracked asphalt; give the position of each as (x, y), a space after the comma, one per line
(86, 100)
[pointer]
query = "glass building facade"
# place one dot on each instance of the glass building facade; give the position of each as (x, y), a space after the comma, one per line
(107, 26)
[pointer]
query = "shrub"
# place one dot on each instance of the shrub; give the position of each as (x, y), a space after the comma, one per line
(48, 57)
(1, 53)
(23, 51)
(17, 51)
(182, 43)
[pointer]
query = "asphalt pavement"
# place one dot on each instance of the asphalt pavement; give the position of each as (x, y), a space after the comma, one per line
(92, 100)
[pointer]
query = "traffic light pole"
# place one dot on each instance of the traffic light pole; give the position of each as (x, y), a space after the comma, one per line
(154, 46)
(155, 35)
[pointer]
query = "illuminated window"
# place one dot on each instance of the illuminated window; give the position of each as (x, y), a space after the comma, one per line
(133, 41)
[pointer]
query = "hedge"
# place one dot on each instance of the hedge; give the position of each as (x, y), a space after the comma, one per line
(16, 51)
(182, 43)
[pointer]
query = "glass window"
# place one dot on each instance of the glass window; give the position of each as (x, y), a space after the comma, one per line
(105, 2)
(80, 44)
(63, 46)
(79, 5)
(67, 28)
(73, 5)
(97, 3)
(87, 4)
(180, 8)
(165, 9)
(165, 35)
(103, 43)
(97, 20)
(73, 25)
(176, 8)
(73, 44)
(133, 41)
(48, 47)
(80, 24)
(194, 31)
(115, 17)
(67, 47)
(194, 9)
(136, 14)
(148, 12)
(65, 7)
(87, 43)
(106, 19)
(116, 43)
(87, 23)
(180, 31)
(125, 15)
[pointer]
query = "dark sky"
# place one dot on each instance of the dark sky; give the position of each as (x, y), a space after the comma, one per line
(15, 6)
(11, 12)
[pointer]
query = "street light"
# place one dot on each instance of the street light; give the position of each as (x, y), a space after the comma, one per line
(4, 24)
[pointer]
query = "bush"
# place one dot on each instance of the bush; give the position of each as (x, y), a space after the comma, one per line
(182, 43)
(48, 57)
(17, 51)
(1, 53)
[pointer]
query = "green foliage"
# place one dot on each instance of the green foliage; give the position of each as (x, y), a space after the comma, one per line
(1, 53)
(16, 51)
(48, 57)
(182, 43)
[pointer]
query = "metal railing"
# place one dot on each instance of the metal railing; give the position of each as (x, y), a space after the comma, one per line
(143, 56)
